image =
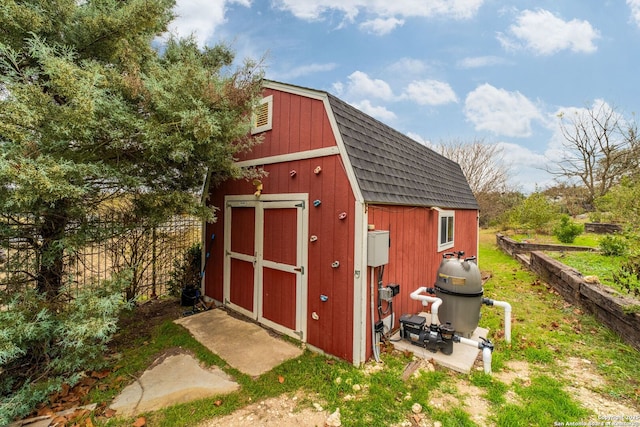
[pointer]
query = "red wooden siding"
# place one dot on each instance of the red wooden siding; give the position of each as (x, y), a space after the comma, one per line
(413, 255)
(301, 124)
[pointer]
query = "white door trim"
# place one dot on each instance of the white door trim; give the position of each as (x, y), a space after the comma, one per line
(300, 201)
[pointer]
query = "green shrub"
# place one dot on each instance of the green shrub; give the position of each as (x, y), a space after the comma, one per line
(613, 245)
(628, 276)
(44, 346)
(567, 231)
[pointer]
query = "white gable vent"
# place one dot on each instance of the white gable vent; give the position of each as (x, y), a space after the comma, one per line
(262, 115)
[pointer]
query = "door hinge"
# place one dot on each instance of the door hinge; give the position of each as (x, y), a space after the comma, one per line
(300, 334)
(300, 205)
(299, 269)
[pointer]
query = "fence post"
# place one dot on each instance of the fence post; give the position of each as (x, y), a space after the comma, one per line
(153, 263)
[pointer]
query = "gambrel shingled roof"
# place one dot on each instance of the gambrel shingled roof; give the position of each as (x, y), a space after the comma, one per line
(392, 168)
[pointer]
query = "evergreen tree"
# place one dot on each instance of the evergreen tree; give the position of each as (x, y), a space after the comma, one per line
(90, 113)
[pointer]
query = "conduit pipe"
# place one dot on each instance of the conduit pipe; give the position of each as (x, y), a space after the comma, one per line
(374, 335)
(419, 295)
(507, 315)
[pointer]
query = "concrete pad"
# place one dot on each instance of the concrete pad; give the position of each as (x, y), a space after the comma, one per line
(242, 344)
(172, 379)
(462, 358)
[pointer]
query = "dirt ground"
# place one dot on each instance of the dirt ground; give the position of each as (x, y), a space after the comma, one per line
(294, 411)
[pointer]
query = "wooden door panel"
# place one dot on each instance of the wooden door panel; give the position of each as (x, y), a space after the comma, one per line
(279, 297)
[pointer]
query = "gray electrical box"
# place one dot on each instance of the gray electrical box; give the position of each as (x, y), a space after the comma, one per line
(377, 248)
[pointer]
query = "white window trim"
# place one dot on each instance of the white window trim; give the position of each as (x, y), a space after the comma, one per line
(269, 125)
(446, 214)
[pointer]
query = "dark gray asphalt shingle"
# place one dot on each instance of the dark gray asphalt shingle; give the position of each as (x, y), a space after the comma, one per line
(392, 168)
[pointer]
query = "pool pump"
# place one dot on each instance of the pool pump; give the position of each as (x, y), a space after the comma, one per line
(433, 338)
(454, 302)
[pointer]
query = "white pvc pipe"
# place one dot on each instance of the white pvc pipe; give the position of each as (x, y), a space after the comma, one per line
(486, 360)
(486, 352)
(419, 295)
(507, 318)
(469, 342)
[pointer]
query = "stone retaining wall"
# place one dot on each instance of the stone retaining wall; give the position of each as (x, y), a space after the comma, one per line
(604, 303)
(601, 228)
(512, 247)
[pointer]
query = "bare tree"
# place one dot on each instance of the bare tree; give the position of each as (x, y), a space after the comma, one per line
(488, 176)
(600, 147)
(482, 164)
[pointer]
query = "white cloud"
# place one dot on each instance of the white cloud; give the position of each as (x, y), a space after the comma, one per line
(481, 61)
(315, 9)
(545, 34)
(360, 85)
(634, 5)
(381, 26)
(430, 92)
(305, 70)
(200, 18)
(527, 167)
(358, 91)
(379, 112)
(500, 111)
(409, 66)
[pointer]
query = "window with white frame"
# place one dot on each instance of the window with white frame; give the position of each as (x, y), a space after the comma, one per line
(446, 220)
(262, 116)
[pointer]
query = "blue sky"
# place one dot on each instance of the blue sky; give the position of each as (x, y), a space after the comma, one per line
(443, 70)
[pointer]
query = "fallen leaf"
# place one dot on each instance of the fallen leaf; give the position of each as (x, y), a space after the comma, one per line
(88, 422)
(109, 413)
(280, 379)
(218, 402)
(59, 420)
(140, 422)
(100, 375)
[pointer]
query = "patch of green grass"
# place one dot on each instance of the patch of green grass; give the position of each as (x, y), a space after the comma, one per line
(545, 331)
(584, 239)
(453, 417)
(495, 390)
(543, 403)
(593, 264)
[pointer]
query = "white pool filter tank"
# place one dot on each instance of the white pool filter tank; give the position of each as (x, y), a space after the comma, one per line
(459, 286)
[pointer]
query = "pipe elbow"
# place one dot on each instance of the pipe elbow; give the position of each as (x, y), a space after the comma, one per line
(416, 294)
(503, 304)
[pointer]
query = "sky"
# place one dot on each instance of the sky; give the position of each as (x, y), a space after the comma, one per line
(497, 71)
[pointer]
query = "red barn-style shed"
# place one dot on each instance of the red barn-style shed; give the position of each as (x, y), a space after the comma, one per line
(293, 254)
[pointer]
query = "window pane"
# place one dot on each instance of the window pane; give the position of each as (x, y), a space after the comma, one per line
(450, 229)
